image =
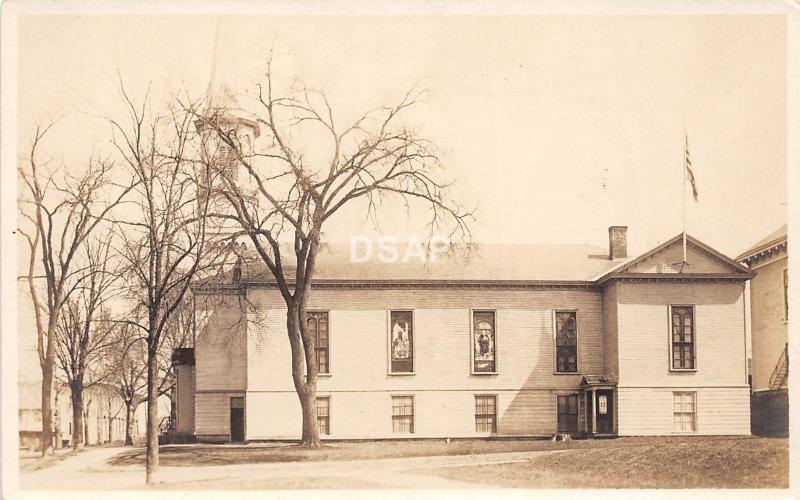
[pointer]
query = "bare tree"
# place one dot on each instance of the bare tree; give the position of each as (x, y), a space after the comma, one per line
(164, 241)
(86, 330)
(59, 210)
(129, 373)
(370, 159)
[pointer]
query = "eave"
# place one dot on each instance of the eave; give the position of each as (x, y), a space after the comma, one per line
(675, 277)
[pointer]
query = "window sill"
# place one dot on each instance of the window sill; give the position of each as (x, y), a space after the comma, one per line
(324, 375)
(566, 373)
(683, 370)
(485, 373)
(400, 374)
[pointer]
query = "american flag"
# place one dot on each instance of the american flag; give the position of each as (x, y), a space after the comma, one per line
(689, 173)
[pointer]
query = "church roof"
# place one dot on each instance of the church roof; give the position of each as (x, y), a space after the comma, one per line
(496, 264)
(773, 239)
(486, 262)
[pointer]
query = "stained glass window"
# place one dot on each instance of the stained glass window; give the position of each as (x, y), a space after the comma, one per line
(682, 337)
(318, 327)
(483, 345)
(566, 342)
(401, 341)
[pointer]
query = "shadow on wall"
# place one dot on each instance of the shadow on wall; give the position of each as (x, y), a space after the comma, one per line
(221, 324)
(533, 411)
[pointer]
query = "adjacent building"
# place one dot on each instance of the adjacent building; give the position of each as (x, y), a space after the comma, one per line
(769, 301)
(518, 341)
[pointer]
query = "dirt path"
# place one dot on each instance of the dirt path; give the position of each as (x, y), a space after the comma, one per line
(91, 471)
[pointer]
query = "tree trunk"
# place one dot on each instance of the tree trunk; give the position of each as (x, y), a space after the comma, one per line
(151, 463)
(46, 444)
(306, 387)
(129, 414)
(76, 392)
(308, 403)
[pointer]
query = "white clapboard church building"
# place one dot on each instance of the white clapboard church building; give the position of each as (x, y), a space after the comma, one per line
(506, 341)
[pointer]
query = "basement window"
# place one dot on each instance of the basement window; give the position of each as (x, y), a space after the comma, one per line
(403, 414)
(684, 414)
(485, 413)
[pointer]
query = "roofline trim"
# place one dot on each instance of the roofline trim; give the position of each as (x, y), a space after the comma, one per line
(406, 283)
(676, 277)
(689, 239)
(774, 244)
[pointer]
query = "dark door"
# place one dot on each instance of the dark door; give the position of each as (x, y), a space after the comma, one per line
(605, 412)
(237, 419)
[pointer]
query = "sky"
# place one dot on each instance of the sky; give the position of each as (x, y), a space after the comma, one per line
(555, 127)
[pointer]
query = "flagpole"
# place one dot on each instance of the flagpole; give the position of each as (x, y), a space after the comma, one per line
(683, 181)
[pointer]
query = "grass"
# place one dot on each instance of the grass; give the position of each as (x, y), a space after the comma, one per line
(696, 462)
(200, 454)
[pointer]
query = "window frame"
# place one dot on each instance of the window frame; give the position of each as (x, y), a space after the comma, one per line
(494, 416)
(577, 396)
(693, 413)
(577, 342)
(326, 312)
(413, 425)
(328, 397)
(472, 342)
(389, 343)
(671, 360)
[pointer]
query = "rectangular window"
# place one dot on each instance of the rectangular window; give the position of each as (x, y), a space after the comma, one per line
(318, 327)
(566, 342)
(483, 342)
(786, 293)
(683, 335)
(568, 414)
(402, 341)
(684, 412)
(485, 414)
(324, 416)
(403, 414)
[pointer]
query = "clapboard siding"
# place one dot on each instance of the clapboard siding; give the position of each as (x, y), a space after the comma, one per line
(212, 413)
(442, 339)
(610, 331)
(769, 325)
(437, 414)
(220, 344)
(649, 411)
(644, 341)
(185, 375)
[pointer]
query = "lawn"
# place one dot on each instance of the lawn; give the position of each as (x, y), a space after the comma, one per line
(635, 462)
(692, 462)
(202, 454)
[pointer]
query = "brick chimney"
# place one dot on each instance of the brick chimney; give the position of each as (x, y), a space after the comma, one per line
(617, 242)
